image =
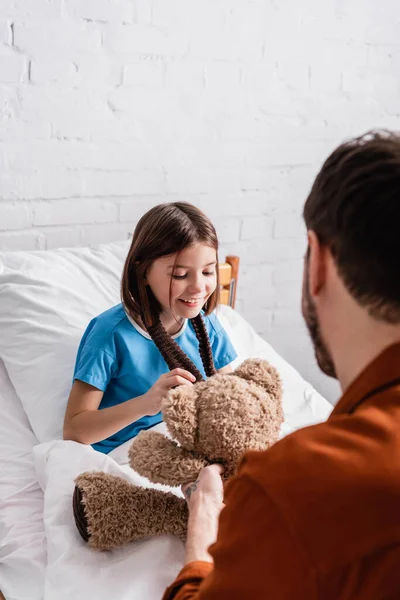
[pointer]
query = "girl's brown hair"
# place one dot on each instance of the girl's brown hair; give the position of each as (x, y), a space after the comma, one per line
(164, 230)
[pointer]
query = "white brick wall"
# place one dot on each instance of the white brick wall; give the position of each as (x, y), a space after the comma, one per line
(110, 106)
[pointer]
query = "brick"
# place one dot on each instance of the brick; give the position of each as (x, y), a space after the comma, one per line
(181, 74)
(380, 58)
(290, 292)
(61, 237)
(262, 296)
(327, 80)
(347, 55)
(123, 183)
(5, 33)
(392, 108)
(202, 180)
(228, 230)
(47, 184)
(39, 103)
(292, 73)
(258, 78)
(79, 210)
(36, 8)
(106, 11)
(12, 68)
(288, 319)
(143, 41)
(99, 126)
(222, 75)
(286, 152)
(21, 240)
(80, 155)
(145, 72)
(255, 277)
(207, 154)
(229, 37)
(289, 226)
(102, 234)
(53, 71)
(14, 130)
(173, 125)
(270, 252)
(251, 124)
(98, 73)
(142, 12)
(270, 298)
(290, 272)
(133, 209)
(383, 31)
(48, 154)
(243, 204)
(67, 39)
(186, 16)
(261, 319)
(14, 216)
(256, 227)
(3, 158)
(7, 8)
(143, 103)
(382, 85)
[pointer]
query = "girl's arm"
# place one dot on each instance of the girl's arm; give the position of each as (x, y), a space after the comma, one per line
(86, 424)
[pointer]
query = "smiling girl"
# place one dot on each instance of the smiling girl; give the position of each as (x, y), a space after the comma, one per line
(163, 334)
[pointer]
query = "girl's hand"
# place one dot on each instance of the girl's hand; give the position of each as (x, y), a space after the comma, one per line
(159, 390)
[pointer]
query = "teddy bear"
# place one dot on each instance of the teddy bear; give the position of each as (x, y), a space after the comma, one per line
(213, 421)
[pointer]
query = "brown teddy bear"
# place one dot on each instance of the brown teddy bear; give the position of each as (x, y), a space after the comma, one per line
(213, 421)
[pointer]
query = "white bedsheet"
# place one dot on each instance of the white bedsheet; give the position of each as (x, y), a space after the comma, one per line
(22, 536)
(139, 570)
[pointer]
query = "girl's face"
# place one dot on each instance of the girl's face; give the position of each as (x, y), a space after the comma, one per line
(192, 280)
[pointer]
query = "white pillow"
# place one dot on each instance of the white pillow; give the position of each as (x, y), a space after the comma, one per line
(47, 299)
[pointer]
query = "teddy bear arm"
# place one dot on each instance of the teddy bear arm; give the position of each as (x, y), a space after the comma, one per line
(161, 460)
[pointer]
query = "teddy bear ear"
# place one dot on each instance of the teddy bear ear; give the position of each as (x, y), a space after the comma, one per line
(179, 410)
(262, 373)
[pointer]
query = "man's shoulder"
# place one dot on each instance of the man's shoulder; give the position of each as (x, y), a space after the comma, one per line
(306, 453)
(339, 452)
(333, 485)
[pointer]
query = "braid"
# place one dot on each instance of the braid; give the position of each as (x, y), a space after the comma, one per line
(174, 355)
(204, 345)
(171, 352)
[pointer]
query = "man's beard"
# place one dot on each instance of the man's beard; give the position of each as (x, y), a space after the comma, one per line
(308, 309)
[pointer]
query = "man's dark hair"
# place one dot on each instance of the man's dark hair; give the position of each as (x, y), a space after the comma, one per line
(354, 209)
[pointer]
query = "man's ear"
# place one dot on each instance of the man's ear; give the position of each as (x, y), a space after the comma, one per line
(317, 263)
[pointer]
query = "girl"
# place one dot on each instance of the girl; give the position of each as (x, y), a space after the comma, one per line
(157, 338)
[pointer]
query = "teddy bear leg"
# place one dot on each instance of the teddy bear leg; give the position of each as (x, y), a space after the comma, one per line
(78, 508)
(110, 512)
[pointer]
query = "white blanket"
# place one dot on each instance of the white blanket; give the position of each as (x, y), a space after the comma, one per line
(140, 570)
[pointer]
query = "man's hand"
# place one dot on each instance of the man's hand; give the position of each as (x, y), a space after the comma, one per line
(205, 501)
